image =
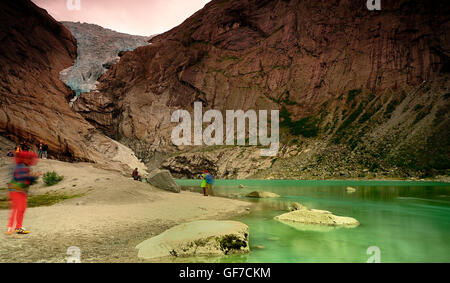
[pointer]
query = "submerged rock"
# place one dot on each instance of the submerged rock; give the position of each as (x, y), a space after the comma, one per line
(204, 237)
(296, 206)
(162, 179)
(350, 190)
(306, 219)
(262, 194)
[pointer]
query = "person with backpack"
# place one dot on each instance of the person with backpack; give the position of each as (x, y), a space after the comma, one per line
(210, 183)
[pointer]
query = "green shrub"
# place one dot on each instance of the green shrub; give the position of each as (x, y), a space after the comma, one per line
(307, 127)
(51, 178)
(352, 94)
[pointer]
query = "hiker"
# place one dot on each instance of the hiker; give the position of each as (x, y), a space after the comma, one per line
(40, 146)
(136, 175)
(203, 185)
(207, 182)
(44, 150)
(18, 190)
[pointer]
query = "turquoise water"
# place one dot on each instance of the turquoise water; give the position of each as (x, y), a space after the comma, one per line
(407, 221)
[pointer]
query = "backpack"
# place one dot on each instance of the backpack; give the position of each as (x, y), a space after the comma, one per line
(209, 179)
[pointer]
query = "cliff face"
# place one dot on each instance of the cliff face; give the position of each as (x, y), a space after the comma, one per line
(34, 48)
(373, 83)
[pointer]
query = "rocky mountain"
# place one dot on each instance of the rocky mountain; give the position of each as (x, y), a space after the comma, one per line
(361, 93)
(97, 50)
(34, 105)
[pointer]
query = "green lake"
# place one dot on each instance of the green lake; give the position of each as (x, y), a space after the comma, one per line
(407, 221)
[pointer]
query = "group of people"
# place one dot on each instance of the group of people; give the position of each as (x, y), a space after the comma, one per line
(42, 148)
(22, 178)
(207, 183)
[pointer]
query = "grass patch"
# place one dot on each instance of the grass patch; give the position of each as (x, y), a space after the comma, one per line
(283, 99)
(422, 114)
(307, 127)
(230, 58)
(40, 200)
(51, 178)
(352, 94)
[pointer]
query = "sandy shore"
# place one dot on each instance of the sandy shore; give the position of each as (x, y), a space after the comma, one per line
(114, 214)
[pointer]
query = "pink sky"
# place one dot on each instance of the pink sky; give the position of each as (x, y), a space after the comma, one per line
(139, 17)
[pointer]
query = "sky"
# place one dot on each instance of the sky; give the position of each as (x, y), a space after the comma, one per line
(137, 17)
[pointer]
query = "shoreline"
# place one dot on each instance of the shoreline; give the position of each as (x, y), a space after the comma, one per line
(434, 181)
(114, 214)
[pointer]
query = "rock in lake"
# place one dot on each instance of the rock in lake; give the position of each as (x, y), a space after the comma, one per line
(350, 190)
(162, 179)
(204, 237)
(261, 194)
(310, 219)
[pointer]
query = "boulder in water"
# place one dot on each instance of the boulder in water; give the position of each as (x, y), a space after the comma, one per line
(262, 194)
(316, 217)
(204, 237)
(162, 179)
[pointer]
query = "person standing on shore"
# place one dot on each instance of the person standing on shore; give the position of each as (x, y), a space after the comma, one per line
(204, 184)
(18, 190)
(44, 150)
(40, 146)
(209, 183)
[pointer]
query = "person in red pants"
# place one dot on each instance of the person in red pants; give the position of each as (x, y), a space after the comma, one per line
(18, 190)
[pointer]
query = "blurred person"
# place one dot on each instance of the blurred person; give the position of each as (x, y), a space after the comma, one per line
(18, 190)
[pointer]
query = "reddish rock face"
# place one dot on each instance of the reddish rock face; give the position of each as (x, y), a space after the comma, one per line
(374, 81)
(245, 54)
(34, 48)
